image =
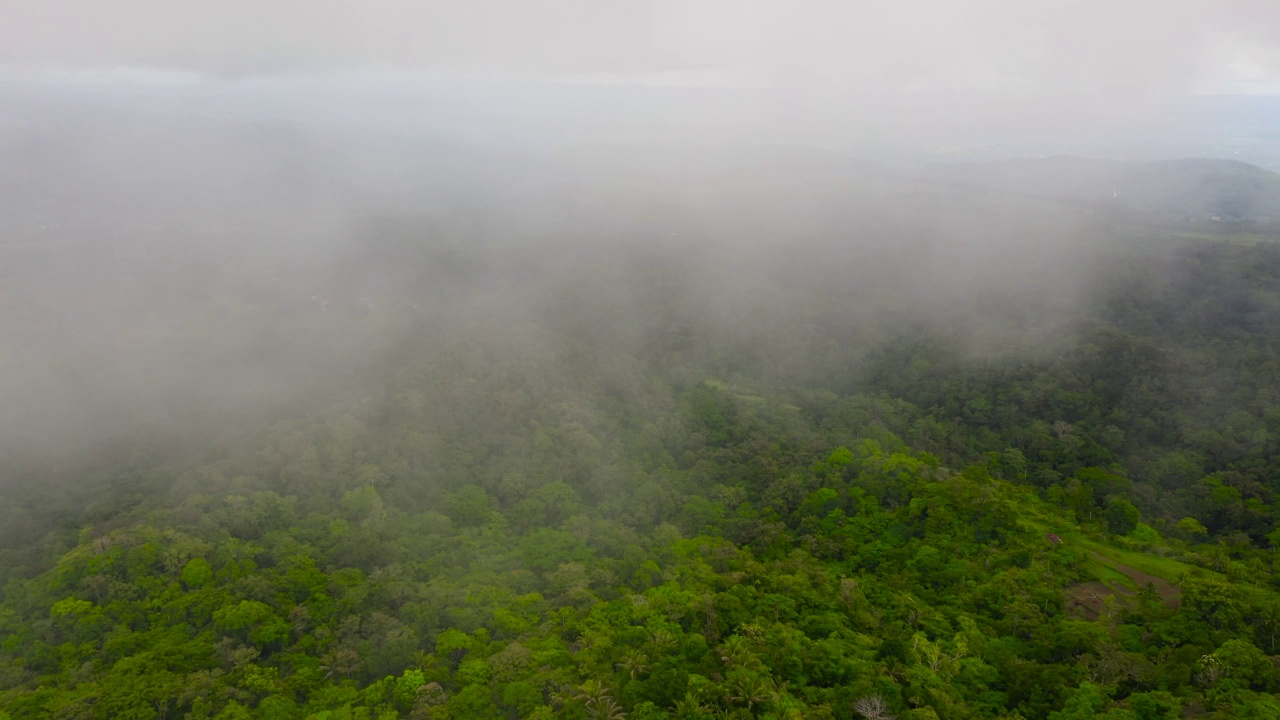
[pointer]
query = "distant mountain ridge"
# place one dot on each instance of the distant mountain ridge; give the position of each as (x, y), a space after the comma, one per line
(1195, 189)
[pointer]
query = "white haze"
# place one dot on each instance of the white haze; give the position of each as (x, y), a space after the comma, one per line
(1113, 47)
(183, 184)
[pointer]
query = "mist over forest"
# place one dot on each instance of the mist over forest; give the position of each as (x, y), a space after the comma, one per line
(742, 366)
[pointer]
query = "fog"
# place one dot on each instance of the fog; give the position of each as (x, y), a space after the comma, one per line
(1094, 46)
(224, 216)
(170, 275)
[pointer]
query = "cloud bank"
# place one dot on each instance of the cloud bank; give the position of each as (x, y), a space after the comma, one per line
(1092, 46)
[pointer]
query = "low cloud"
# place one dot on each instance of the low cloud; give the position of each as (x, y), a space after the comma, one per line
(1088, 46)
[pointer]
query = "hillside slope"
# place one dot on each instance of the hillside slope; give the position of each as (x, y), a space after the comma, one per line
(1198, 190)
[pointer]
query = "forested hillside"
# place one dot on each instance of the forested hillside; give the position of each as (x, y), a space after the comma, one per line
(1196, 190)
(825, 445)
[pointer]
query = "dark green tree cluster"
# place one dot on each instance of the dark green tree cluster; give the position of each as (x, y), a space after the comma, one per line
(760, 574)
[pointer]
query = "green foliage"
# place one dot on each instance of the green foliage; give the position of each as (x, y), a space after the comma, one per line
(277, 707)
(407, 686)
(1145, 534)
(253, 621)
(582, 524)
(546, 549)
(1083, 704)
(1122, 517)
(71, 606)
(1239, 660)
(197, 573)
(1192, 529)
(469, 506)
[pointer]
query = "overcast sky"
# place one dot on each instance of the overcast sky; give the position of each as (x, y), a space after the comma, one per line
(1097, 46)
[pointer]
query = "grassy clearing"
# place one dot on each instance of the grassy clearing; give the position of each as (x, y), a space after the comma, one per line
(1161, 567)
(1039, 518)
(1109, 576)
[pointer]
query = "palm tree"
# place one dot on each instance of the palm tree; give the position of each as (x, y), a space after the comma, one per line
(599, 705)
(750, 690)
(777, 692)
(635, 663)
(423, 659)
(736, 652)
(661, 641)
(690, 707)
(591, 690)
(605, 709)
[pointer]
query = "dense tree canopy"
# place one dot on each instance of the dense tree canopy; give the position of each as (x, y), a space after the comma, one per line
(690, 488)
